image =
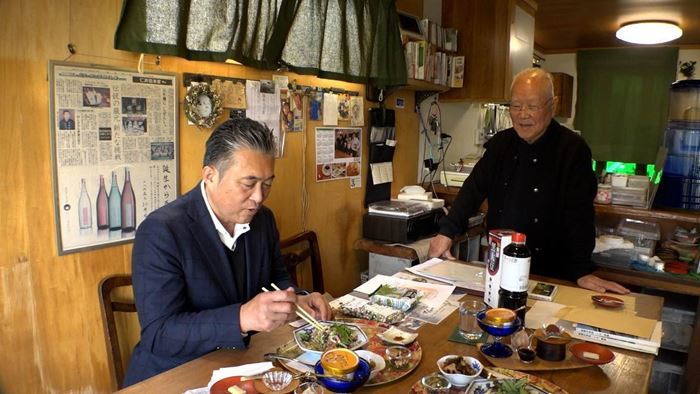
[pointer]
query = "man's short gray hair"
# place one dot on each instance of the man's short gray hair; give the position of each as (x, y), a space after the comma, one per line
(535, 73)
(235, 135)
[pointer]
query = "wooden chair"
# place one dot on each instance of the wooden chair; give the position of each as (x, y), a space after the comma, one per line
(109, 307)
(296, 250)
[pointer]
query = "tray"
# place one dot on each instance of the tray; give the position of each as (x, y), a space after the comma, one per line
(250, 386)
(514, 363)
(500, 373)
(375, 345)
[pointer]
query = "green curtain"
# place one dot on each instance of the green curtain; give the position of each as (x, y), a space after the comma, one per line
(349, 40)
(622, 101)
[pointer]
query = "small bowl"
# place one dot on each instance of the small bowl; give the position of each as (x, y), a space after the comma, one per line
(340, 386)
(310, 388)
(436, 384)
(527, 355)
(459, 379)
(398, 356)
(552, 348)
(607, 301)
(376, 362)
(277, 380)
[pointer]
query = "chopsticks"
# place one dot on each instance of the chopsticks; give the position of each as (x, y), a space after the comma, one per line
(301, 312)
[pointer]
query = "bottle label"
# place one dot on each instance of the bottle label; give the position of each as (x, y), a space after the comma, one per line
(515, 273)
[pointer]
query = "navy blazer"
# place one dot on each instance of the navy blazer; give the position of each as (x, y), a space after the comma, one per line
(184, 288)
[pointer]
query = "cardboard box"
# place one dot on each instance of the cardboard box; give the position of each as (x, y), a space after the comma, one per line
(498, 240)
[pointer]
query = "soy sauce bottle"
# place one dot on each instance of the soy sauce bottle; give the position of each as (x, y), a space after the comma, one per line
(515, 271)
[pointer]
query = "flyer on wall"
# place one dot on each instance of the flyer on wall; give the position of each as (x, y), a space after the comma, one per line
(114, 148)
(338, 153)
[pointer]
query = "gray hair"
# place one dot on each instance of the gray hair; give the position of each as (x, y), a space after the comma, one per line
(235, 135)
(535, 73)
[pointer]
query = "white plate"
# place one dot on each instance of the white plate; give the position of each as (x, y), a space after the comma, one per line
(309, 358)
(398, 336)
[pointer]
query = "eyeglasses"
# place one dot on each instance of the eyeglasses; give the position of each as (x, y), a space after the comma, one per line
(529, 108)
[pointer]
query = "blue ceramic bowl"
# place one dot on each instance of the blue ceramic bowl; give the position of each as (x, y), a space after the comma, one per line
(497, 331)
(361, 375)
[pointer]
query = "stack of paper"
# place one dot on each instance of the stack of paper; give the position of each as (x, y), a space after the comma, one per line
(612, 328)
(461, 275)
(619, 339)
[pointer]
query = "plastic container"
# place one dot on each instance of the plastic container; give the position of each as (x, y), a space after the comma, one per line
(634, 196)
(680, 183)
(684, 100)
(676, 336)
(639, 229)
(638, 181)
(677, 315)
(665, 379)
(604, 194)
(667, 372)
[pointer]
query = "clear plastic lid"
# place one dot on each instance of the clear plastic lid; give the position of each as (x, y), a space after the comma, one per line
(397, 208)
(639, 228)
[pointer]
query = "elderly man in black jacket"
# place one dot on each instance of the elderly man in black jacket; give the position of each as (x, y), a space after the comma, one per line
(538, 179)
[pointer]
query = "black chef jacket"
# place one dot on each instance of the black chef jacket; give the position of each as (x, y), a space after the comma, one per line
(544, 190)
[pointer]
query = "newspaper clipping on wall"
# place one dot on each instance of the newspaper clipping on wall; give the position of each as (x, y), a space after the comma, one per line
(114, 148)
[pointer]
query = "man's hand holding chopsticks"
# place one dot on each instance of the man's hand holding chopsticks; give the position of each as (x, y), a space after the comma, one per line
(316, 305)
(268, 310)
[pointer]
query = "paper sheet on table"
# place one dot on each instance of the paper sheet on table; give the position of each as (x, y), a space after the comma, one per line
(542, 313)
(242, 370)
(576, 296)
(462, 275)
(432, 295)
(610, 320)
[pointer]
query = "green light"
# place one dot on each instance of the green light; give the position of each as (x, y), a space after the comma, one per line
(617, 167)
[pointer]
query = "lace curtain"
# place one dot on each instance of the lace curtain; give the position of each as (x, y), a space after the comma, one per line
(350, 40)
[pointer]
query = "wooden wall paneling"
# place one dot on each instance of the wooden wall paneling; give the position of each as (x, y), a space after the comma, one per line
(413, 7)
(50, 311)
(483, 39)
(563, 89)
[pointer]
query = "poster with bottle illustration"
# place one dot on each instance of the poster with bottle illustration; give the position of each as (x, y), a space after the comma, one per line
(114, 151)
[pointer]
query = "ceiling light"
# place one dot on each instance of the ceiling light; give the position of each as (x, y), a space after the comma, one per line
(649, 32)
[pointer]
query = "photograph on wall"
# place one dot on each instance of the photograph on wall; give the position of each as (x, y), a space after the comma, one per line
(297, 103)
(338, 153)
(316, 105)
(114, 151)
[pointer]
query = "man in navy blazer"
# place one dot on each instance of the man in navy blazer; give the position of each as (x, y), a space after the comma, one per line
(200, 262)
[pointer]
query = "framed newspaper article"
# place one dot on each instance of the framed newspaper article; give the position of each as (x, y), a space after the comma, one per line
(114, 151)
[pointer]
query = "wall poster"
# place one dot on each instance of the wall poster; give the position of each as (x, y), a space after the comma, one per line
(114, 151)
(338, 153)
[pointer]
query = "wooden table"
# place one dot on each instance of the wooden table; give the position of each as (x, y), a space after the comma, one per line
(628, 373)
